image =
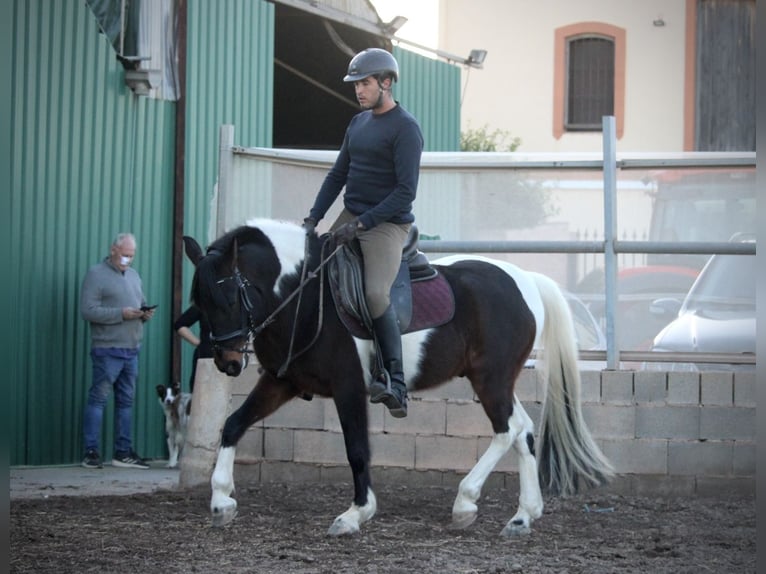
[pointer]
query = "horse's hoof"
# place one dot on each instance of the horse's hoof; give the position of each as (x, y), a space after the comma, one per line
(514, 529)
(341, 527)
(462, 520)
(224, 514)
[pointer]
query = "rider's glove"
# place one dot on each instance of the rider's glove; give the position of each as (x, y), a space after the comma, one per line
(347, 232)
(309, 225)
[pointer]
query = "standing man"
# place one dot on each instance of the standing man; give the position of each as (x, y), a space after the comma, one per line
(112, 301)
(379, 164)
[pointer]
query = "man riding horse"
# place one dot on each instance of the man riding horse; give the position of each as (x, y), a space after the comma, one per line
(379, 164)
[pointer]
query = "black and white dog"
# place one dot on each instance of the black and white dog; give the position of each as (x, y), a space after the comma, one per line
(177, 406)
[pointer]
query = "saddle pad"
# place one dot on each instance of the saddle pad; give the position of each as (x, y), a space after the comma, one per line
(433, 304)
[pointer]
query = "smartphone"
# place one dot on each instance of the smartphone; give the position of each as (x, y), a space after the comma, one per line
(148, 307)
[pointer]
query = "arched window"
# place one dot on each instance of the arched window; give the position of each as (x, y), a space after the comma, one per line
(589, 80)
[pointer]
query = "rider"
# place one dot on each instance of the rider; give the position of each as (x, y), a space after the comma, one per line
(379, 163)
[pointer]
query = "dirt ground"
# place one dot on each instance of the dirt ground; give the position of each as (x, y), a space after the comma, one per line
(281, 528)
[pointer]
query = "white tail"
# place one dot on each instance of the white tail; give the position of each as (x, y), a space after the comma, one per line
(568, 457)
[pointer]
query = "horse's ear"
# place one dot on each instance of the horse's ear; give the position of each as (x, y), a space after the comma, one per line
(234, 253)
(192, 249)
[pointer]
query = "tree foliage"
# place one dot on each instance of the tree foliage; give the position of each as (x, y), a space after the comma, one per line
(481, 139)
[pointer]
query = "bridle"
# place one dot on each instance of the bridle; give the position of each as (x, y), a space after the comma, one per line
(246, 322)
(249, 329)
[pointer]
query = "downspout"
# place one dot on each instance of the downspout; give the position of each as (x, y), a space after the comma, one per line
(178, 189)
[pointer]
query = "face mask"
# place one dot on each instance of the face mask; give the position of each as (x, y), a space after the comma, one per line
(125, 260)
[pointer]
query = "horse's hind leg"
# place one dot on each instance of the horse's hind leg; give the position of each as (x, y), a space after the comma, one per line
(530, 497)
(464, 509)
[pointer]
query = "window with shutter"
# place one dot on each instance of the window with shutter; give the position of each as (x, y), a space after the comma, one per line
(590, 83)
(589, 78)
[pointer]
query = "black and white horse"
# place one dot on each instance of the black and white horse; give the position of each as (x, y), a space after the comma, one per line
(251, 282)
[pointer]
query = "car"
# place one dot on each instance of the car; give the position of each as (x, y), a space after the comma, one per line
(716, 316)
(637, 289)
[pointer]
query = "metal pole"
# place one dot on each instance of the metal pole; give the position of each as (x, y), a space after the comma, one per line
(179, 189)
(610, 233)
(225, 160)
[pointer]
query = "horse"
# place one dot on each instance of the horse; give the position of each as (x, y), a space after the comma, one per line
(259, 288)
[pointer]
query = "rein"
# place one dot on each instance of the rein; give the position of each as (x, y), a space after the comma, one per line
(305, 278)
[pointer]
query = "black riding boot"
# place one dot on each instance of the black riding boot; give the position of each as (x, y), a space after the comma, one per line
(393, 395)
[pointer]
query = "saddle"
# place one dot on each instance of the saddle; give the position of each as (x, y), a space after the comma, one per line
(420, 295)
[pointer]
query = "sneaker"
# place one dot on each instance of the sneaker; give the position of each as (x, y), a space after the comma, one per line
(92, 459)
(129, 460)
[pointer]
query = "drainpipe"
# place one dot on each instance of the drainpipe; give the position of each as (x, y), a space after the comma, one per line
(178, 188)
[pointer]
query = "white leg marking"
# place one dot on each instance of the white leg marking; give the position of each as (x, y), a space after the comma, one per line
(222, 506)
(350, 521)
(173, 453)
(464, 508)
(530, 497)
(173, 460)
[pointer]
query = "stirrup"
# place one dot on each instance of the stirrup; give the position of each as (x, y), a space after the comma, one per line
(381, 392)
(380, 385)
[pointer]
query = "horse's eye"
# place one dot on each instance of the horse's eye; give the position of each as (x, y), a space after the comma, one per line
(231, 297)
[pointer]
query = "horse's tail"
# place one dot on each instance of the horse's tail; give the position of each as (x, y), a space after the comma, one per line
(568, 457)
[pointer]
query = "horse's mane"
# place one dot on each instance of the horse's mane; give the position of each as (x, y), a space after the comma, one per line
(287, 239)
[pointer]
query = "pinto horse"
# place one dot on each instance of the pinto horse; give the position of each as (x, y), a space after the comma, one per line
(252, 285)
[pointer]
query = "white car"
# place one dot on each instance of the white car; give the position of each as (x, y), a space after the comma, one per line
(717, 315)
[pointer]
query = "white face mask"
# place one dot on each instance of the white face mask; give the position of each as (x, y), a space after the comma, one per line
(125, 260)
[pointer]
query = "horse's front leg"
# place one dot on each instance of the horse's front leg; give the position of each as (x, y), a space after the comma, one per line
(351, 403)
(223, 507)
(265, 398)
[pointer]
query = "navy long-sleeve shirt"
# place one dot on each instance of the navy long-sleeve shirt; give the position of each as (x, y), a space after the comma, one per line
(379, 163)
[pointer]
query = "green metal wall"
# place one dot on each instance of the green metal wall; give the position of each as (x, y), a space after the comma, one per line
(88, 159)
(430, 89)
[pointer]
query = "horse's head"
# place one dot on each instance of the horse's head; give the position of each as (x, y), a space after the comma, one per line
(233, 287)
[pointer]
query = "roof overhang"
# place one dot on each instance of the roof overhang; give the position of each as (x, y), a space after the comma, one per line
(366, 18)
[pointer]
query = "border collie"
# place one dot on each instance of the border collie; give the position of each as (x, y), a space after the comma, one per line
(176, 406)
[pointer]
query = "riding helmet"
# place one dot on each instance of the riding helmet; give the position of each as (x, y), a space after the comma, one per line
(372, 62)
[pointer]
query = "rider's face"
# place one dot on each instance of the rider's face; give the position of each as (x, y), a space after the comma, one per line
(368, 93)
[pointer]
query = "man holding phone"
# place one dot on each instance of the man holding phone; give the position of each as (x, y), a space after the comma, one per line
(112, 301)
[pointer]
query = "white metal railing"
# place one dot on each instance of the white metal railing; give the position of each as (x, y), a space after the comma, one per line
(282, 183)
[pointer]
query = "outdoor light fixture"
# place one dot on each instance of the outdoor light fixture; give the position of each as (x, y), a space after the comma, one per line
(143, 81)
(393, 26)
(475, 58)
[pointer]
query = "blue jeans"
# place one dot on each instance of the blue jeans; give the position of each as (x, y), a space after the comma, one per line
(118, 369)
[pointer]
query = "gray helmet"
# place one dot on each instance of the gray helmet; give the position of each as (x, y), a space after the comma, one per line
(372, 62)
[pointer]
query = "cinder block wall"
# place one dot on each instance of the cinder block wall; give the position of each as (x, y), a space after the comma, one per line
(664, 432)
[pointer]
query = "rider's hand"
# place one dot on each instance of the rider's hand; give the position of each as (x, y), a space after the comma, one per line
(347, 232)
(309, 225)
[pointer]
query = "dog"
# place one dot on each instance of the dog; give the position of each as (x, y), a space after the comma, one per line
(177, 407)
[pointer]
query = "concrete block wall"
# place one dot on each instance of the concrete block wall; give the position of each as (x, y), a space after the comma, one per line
(664, 432)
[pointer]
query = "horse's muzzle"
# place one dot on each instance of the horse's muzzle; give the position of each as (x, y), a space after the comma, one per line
(228, 362)
(233, 368)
